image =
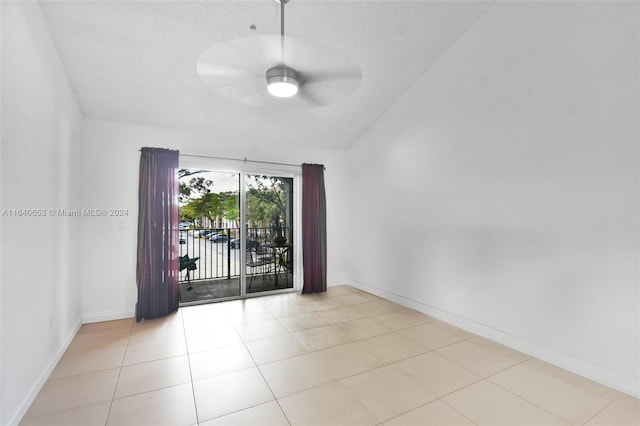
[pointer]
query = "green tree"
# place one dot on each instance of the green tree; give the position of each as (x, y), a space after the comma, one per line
(213, 206)
(188, 212)
(196, 208)
(271, 191)
(231, 203)
(194, 186)
(259, 211)
(267, 204)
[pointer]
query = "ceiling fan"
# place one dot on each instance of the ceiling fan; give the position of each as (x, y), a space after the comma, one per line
(278, 70)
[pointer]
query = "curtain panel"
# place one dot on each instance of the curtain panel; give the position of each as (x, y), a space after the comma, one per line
(314, 229)
(157, 267)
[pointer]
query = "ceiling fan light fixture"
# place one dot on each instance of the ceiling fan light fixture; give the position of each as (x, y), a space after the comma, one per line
(282, 82)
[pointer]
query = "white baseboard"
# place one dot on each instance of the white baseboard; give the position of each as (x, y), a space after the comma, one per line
(580, 367)
(31, 393)
(108, 316)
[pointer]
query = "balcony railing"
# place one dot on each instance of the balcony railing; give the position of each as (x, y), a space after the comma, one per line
(218, 250)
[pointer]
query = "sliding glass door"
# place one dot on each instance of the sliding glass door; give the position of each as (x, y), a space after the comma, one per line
(239, 228)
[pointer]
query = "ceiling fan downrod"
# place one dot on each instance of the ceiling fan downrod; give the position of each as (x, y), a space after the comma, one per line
(282, 3)
(282, 81)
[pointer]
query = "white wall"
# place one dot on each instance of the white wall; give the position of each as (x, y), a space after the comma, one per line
(110, 161)
(501, 191)
(41, 128)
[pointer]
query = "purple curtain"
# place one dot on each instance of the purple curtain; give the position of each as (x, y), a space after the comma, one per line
(157, 270)
(314, 229)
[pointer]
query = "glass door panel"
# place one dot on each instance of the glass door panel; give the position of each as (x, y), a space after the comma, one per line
(270, 233)
(209, 231)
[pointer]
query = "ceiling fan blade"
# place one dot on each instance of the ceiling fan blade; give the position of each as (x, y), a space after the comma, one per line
(326, 87)
(329, 92)
(262, 51)
(222, 71)
(242, 91)
(254, 54)
(311, 76)
(230, 82)
(309, 99)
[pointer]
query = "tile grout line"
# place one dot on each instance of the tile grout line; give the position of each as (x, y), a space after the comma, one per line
(193, 389)
(609, 401)
(526, 400)
(115, 388)
(598, 412)
(455, 409)
(277, 400)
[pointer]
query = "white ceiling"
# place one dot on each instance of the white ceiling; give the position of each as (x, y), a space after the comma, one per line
(135, 61)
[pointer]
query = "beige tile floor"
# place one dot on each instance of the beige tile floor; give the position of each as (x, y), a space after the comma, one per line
(340, 358)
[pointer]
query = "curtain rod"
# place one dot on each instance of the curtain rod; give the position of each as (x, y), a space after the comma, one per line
(244, 160)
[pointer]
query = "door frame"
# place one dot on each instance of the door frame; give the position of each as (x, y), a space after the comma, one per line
(244, 168)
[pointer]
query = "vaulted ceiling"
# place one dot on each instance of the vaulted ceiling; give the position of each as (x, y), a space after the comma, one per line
(135, 61)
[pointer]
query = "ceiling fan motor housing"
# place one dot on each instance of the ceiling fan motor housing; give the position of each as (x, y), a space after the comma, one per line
(283, 74)
(285, 78)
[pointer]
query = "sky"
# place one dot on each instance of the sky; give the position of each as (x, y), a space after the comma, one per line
(222, 181)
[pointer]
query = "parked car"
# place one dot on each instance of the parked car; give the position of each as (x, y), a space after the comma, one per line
(183, 226)
(205, 232)
(235, 243)
(218, 238)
